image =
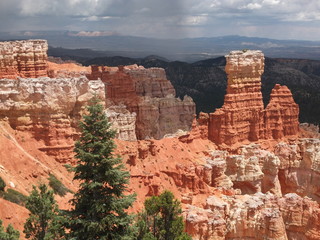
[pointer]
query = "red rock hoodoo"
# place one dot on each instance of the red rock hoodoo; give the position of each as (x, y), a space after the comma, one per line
(243, 117)
(27, 58)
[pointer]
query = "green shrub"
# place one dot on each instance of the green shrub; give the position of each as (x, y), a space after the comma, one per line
(9, 234)
(14, 196)
(57, 186)
(2, 185)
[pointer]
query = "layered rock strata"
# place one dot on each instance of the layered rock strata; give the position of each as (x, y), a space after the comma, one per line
(149, 94)
(49, 108)
(27, 58)
(259, 216)
(299, 169)
(243, 117)
(251, 194)
(281, 114)
(123, 122)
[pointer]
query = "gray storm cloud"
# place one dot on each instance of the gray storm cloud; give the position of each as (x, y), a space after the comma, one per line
(166, 18)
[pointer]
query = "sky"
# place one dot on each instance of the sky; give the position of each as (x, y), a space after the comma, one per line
(278, 19)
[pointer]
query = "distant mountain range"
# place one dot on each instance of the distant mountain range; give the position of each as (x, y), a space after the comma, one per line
(187, 49)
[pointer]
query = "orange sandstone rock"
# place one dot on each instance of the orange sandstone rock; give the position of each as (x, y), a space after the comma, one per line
(259, 216)
(149, 94)
(49, 108)
(281, 114)
(26, 58)
(243, 117)
(64, 70)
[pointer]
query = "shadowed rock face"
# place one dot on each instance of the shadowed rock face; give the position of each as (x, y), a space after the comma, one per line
(149, 94)
(243, 117)
(26, 58)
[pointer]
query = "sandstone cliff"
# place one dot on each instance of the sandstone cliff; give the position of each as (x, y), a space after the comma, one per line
(149, 94)
(49, 108)
(27, 58)
(243, 117)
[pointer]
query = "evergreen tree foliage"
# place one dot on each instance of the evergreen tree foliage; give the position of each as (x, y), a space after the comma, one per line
(44, 222)
(161, 219)
(9, 234)
(100, 204)
(2, 185)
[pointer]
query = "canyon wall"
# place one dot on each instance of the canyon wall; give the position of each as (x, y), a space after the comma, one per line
(242, 116)
(149, 94)
(49, 108)
(149, 98)
(251, 192)
(26, 58)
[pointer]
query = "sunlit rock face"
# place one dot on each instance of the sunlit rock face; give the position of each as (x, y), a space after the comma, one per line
(259, 216)
(49, 108)
(243, 117)
(241, 192)
(27, 58)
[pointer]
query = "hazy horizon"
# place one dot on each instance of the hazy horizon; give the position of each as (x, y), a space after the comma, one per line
(274, 19)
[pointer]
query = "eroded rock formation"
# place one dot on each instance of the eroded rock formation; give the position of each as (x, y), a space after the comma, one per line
(251, 192)
(49, 108)
(149, 94)
(281, 114)
(123, 122)
(26, 58)
(259, 216)
(299, 169)
(243, 117)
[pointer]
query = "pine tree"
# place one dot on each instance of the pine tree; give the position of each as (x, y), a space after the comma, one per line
(9, 234)
(2, 185)
(161, 219)
(100, 204)
(44, 222)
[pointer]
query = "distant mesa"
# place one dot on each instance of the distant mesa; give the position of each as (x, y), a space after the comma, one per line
(242, 116)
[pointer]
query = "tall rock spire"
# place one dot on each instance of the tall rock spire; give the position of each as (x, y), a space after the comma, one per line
(242, 116)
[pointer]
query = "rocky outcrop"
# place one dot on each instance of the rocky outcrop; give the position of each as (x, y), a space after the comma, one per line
(123, 122)
(26, 58)
(244, 192)
(49, 108)
(66, 69)
(243, 117)
(281, 114)
(299, 171)
(149, 94)
(258, 216)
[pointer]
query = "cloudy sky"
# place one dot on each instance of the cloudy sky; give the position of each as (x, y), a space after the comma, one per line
(280, 19)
